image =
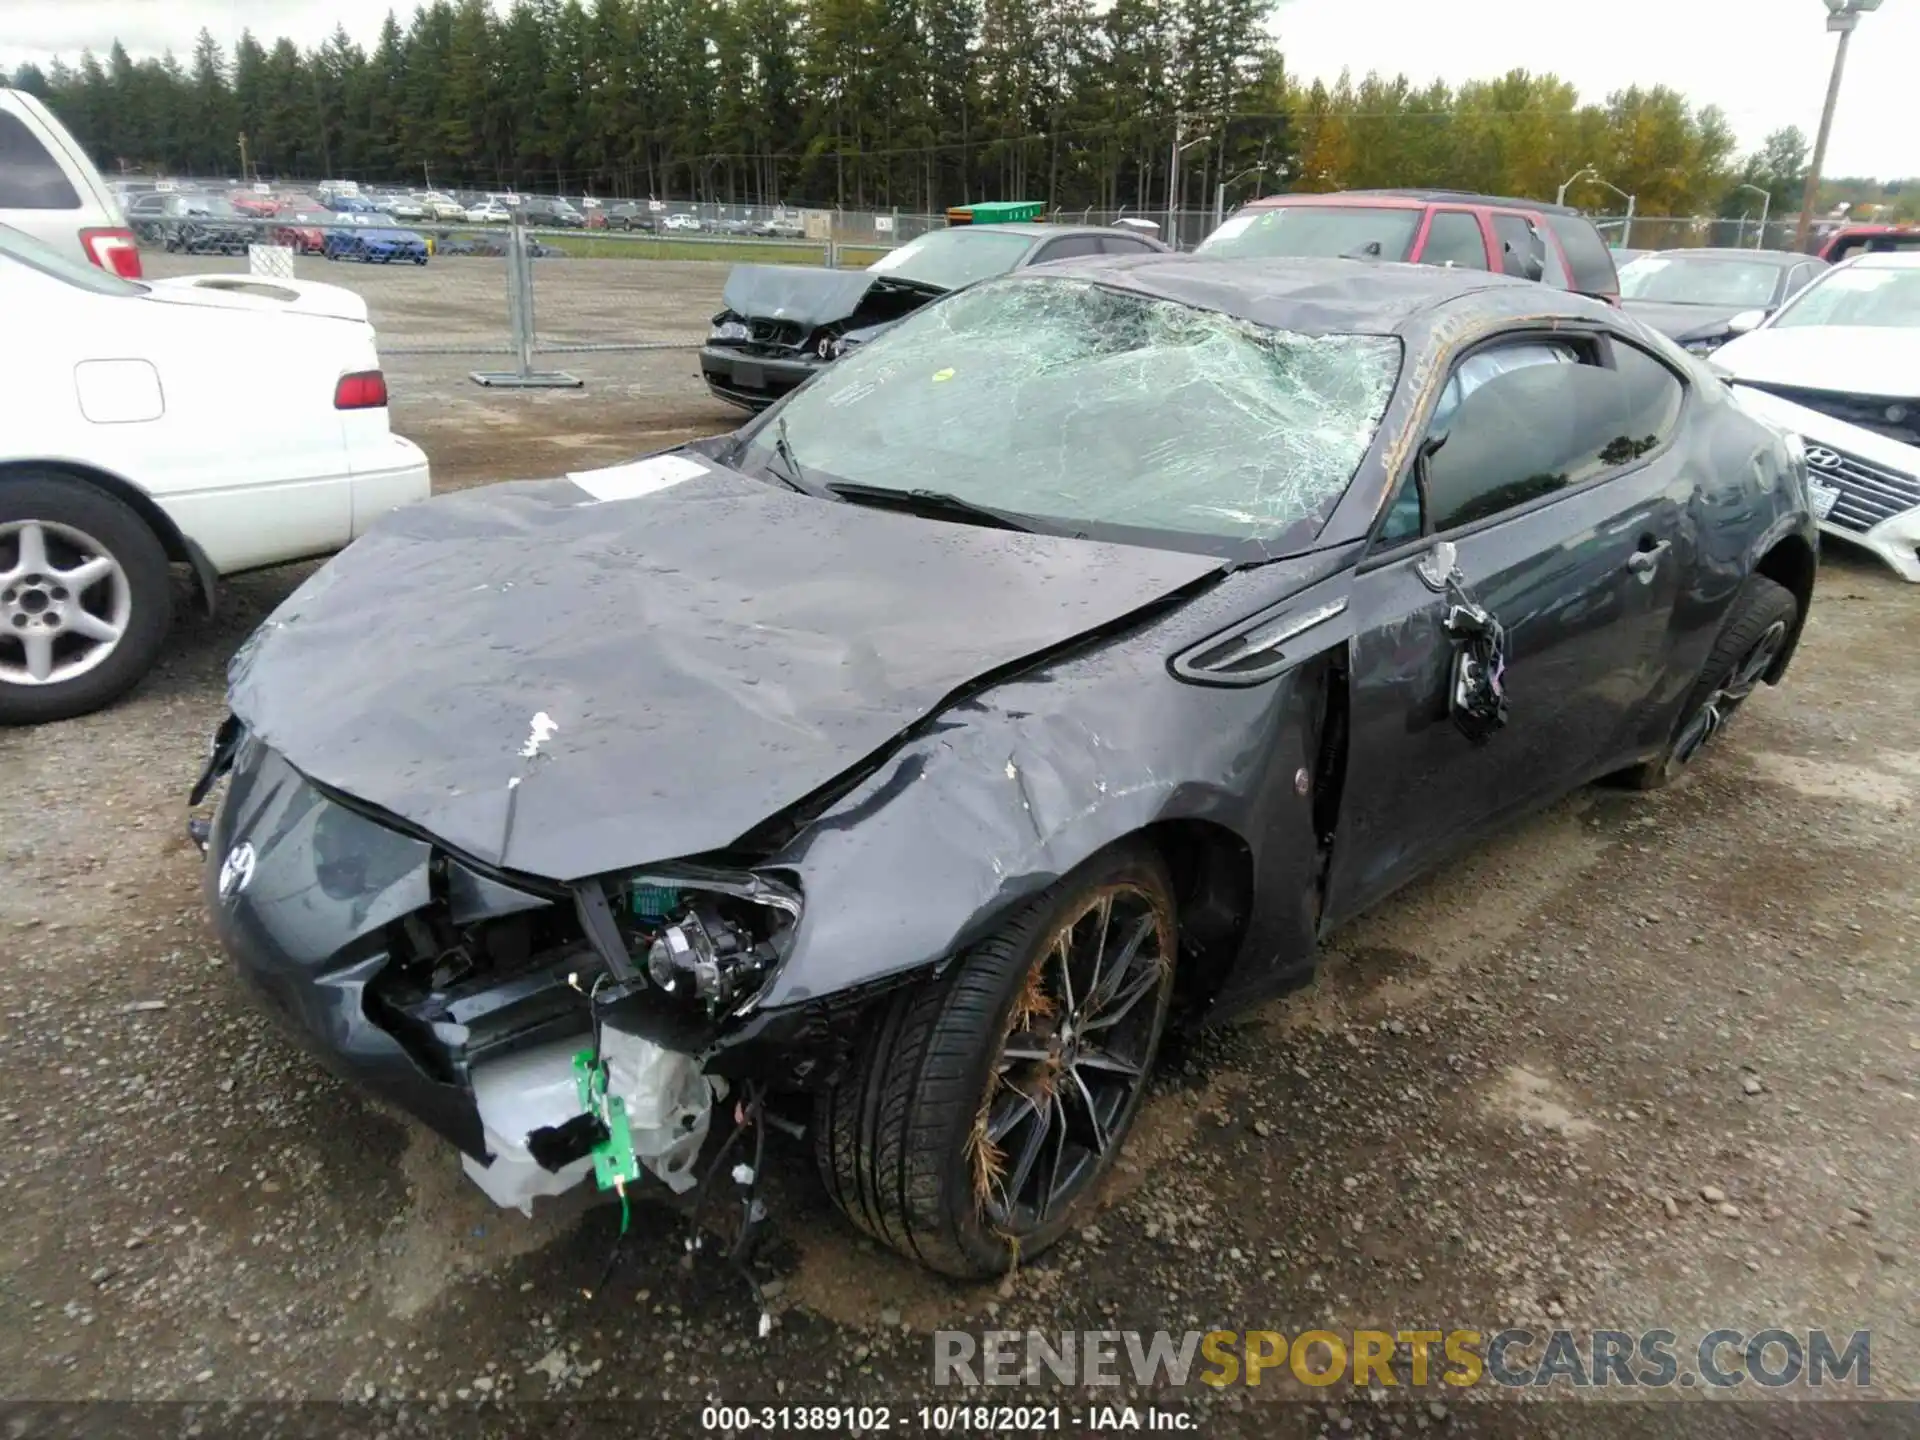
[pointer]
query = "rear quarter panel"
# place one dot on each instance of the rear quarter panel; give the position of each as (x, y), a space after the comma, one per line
(248, 456)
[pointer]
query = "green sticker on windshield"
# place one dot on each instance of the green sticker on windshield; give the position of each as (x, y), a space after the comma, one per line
(939, 375)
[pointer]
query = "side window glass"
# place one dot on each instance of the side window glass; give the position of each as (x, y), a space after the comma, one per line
(30, 178)
(1123, 245)
(1454, 239)
(1518, 244)
(1540, 429)
(1403, 520)
(1067, 247)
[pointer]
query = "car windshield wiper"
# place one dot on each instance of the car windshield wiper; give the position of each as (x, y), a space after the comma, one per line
(931, 502)
(795, 478)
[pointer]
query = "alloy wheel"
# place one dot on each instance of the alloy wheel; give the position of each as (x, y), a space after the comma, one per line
(1078, 1045)
(65, 602)
(1721, 705)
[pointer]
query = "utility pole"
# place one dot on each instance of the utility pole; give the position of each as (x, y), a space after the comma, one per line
(1843, 18)
(1173, 178)
(245, 174)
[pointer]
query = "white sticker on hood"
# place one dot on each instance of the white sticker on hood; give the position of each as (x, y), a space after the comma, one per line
(640, 477)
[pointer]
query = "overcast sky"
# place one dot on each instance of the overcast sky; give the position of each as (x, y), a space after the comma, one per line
(1764, 62)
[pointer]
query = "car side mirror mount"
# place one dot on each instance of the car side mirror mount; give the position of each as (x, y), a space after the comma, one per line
(1746, 322)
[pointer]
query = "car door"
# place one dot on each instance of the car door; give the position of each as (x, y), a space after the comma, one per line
(1555, 502)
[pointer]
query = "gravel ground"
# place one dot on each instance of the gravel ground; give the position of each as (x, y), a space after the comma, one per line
(1645, 1061)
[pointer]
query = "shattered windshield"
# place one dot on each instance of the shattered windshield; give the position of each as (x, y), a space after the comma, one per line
(1324, 230)
(1685, 280)
(1081, 406)
(952, 259)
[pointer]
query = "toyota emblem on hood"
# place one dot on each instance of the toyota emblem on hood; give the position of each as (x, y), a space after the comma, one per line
(236, 871)
(1821, 458)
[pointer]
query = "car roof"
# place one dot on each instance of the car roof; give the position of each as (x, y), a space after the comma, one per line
(1041, 228)
(1886, 260)
(1313, 296)
(1782, 258)
(1413, 199)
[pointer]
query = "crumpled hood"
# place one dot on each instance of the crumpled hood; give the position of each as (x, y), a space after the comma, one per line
(810, 296)
(565, 686)
(1845, 359)
(1682, 322)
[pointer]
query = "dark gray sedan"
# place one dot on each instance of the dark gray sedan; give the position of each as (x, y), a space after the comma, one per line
(1703, 298)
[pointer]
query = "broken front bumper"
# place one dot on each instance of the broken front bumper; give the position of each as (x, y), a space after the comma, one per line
(753, 381)
(325, 911)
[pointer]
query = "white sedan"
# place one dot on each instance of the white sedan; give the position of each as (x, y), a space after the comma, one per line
(1839, 365)
(222, 422)
(489, 212)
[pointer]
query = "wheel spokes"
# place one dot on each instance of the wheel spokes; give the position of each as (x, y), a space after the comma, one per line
(85, 622)
(1095, 1132)
(39, 650)
(1057, 1131)
(32, 557)
(1145, 983)
(1029, 1156)
(1102, 998)
(87, 573)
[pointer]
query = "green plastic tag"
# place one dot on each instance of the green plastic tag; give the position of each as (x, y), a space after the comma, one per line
(613, 1160)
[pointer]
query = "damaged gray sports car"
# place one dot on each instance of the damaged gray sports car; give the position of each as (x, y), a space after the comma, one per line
(1065, 664)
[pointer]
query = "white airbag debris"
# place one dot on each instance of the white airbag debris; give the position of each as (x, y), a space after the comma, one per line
(541, 731)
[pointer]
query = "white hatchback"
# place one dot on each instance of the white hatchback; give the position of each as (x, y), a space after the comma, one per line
(223, 422)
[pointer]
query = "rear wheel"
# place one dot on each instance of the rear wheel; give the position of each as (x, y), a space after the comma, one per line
(85, 598)
(993, 1098)
(1754, 636)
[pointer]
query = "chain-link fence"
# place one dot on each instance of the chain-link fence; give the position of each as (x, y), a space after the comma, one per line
(464, 287)
(1669, 232)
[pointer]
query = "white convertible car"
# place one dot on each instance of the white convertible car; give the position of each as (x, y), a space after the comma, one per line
(220, 422)
(1840, 366)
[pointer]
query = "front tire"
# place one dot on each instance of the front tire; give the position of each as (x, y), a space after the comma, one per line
(1756, 632)
(994, 1097)
(85, 599)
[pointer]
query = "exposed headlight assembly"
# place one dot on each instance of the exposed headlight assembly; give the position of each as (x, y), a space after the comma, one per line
(706, 936)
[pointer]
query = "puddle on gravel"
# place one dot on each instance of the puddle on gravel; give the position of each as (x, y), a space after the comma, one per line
(1835, 780)
(1535, 1100)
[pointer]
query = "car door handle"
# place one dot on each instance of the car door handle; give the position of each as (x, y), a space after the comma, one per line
(1642, 562)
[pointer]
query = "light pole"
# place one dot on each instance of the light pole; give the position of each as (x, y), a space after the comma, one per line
(1843, 18)
(1633, 201)
(1220, 190)
(1766, 209)
(1173, 175)
(1571, 181)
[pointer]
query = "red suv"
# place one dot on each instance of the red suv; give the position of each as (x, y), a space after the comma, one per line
(1528, 238)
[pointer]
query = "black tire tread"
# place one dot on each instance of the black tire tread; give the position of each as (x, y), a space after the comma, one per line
(883, 1133)
(1759, 604)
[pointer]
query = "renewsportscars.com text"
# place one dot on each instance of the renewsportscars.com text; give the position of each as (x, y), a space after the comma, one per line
(1653, 1359)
